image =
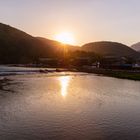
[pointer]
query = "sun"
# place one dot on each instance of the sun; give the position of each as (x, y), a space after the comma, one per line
(65, 38)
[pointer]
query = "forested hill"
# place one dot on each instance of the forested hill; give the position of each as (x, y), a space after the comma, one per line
(19, 47)
(106, 48)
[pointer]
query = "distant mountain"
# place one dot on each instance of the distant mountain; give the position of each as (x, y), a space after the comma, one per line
(136, 46)
(107, 48)
(19, 47)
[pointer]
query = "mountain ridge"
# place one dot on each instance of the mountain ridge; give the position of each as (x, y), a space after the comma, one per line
(110, 48)
(136, 46)
(17, 46)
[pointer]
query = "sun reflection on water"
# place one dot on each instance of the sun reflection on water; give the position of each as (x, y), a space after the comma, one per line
(64, 82)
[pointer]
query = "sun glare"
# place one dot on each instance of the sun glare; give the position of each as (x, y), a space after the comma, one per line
(65, 38)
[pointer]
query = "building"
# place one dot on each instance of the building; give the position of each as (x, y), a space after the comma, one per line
(112, 62)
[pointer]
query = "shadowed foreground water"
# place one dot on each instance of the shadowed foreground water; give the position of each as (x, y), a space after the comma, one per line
(69, 107)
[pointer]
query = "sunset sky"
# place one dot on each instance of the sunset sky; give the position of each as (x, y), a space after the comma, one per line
(88, 20)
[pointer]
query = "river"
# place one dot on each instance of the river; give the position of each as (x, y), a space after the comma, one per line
(69, 106)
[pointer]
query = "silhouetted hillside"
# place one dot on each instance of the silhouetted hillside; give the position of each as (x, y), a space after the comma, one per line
(19, 47)
(106, 48)
(57, 45)
(136, 46)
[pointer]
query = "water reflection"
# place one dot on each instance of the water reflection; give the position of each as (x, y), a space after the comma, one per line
(64, 82)
(87, 107)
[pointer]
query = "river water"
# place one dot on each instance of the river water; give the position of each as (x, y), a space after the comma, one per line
(69, 106)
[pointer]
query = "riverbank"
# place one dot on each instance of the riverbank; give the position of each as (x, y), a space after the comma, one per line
(123, 74)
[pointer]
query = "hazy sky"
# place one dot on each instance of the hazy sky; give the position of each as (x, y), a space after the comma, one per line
(89, 20)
